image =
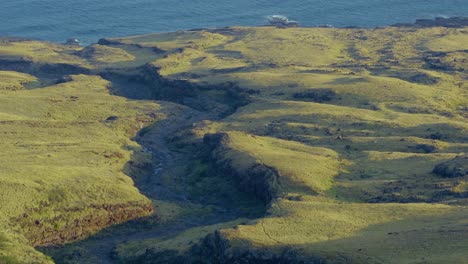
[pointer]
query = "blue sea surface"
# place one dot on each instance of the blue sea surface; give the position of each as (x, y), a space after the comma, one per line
(88, 20)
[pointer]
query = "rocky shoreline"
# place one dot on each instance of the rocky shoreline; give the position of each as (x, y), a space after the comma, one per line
(451, 22)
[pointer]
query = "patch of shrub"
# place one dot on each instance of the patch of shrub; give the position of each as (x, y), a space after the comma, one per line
(421, 78)
(425, 148)
(436, 136)
(316, 95)
(457, 167)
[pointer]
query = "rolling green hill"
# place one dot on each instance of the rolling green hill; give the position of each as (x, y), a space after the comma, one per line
(341, 146)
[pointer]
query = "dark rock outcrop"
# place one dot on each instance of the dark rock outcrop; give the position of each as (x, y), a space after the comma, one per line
(452, 22)
(73, 42)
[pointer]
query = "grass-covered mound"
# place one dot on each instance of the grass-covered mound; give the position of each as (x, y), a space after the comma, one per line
(64, 148)
(268, 167)
(39, 52)
(12, 81)
(340, 138)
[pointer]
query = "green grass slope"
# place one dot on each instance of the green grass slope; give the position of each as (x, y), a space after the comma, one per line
(354, 139)
(61, 175)
(351, 123)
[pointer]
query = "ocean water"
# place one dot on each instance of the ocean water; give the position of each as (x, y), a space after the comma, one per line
(89, 20)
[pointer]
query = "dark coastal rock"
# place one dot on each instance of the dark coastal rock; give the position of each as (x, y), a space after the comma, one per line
(107, 42)
(72, 42)
(452, 22)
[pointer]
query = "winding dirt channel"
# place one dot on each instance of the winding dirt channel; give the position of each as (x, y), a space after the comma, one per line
(162, 185)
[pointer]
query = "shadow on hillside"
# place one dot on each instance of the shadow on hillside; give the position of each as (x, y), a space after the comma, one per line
(400, 241)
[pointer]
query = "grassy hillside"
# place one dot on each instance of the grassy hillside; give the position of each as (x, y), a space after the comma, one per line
(355, 141)
(62, 162)
(348, 126)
